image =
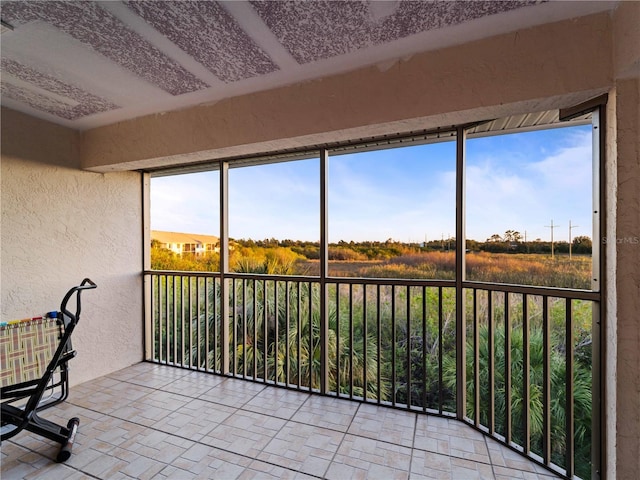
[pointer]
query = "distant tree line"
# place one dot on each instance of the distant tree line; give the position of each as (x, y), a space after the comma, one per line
(511, 242)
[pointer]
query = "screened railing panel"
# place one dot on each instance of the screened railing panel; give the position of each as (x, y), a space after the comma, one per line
(529, 374)
(392, 342)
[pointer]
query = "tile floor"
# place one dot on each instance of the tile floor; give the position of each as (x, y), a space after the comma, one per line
(156, 422)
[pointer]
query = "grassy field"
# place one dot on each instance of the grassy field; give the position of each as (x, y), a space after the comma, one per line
(523, 269)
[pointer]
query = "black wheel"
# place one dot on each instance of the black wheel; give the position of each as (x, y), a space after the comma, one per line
(65, 450)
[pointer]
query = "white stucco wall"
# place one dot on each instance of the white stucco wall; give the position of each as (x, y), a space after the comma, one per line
(60, 224)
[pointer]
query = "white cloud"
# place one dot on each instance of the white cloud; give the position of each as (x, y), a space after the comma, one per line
(518, 182)
(526, 195)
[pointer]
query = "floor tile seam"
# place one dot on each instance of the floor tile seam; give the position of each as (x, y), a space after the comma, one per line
(129, 382)
(413, 442)
(309, 398)
(195, 442)
(449, 455)
(199, 397)
(285, 423)
(77, 469)
(335, 454)
(347, 432)
(130, 402)
(271, 415)
(239, 454)
(166, 464)
(344, 433)
(548, 471)
(185, 372)
(486, 444)
(148, 427)
(161, 389)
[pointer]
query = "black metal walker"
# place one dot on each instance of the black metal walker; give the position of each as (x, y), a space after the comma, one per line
(35, 354)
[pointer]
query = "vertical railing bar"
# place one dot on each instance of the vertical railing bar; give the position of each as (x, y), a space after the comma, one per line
(299, 320)
(507, 369)
(365, 334)
(166, 315)
(234, 325)
(491, 362)
(393, 345)
(476, 361)
(174, 287)
(172, 348)
(183, 310)
(526, 381)
(182, 329)
(176, 319)
(379, 344)
(351, 341)
(338, 366)
(598, 355)
(186, 312)
(206, 323)
(198, 324)
(311, 353)
(265, 331)
(159, 319)
(216, 317)
(198, 352)
(244, 327)
(153, 307)
(190, 329)
(173, 318)
(440, 352)
(276, 343)
(569, 407)
(162, 341)
(188, 325)
(546, 387)
(408, 373)
(287, 359)
(212, 350)
(424, 348)
(156, 305)
(158, 309)
(254, 374)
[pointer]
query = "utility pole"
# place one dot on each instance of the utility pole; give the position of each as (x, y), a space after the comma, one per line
(570, 228)
(552, 226)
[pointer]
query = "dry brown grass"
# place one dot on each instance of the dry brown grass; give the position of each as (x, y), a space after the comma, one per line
(523, 269)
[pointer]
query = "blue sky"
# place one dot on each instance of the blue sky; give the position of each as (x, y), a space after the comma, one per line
(514, 182)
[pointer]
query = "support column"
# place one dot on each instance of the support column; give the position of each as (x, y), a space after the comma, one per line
(627, 281)
(324, 271)
(461, 328)
(224, 264)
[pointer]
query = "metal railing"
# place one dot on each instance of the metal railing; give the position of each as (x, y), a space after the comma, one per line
(529, 380)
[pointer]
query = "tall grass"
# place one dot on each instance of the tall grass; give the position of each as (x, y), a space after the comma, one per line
(522, 269)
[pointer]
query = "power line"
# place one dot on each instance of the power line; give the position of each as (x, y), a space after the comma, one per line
(552, 226)
(571, 227)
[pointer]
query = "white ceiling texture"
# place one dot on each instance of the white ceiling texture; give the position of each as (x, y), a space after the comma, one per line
(85, 64)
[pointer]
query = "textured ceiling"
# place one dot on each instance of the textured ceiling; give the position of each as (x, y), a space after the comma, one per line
(84, 64)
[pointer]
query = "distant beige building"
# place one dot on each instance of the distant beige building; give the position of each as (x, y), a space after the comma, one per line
(186, 242)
